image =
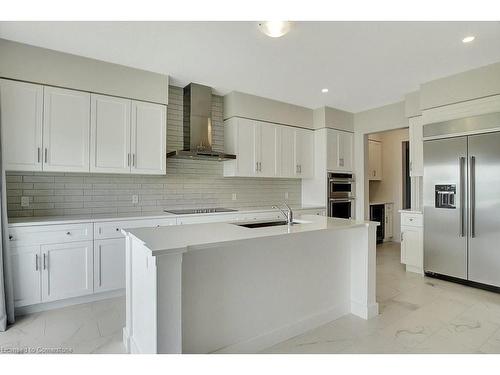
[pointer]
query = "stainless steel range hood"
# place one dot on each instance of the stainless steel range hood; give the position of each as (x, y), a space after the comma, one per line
(197, 126)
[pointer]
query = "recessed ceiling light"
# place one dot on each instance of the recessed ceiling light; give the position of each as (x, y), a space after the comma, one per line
(468, 39)
(275, 29)
(324, 91)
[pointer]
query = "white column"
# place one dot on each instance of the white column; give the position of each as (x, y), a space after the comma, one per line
(363, 272)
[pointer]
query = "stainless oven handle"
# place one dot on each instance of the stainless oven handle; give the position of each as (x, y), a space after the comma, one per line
(342, 180)
(341, 200)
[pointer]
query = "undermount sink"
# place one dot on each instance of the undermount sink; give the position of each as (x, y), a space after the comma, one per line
(262, 224)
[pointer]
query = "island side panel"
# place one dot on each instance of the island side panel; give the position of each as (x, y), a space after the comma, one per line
(169, 296)
(143, 335)
(363, 271)
(250, 295)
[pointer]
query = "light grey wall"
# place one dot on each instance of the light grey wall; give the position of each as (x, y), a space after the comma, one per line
(412, 104)
(188, 183)
(40, 65)
(238, 104)
(328, 117)
(472, 84)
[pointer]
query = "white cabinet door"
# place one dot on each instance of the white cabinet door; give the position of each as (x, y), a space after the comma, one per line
(416, 147)
(66, 130)
(374, 160)
(66, 270)
(265, 149)
(110, 134)
(149, 138)
(21, 108)
(286, 162)
(332, 151)
(25, 262)
(346, 154)
(304, 153)
(412, 247)
(245, 145)
(109, 264)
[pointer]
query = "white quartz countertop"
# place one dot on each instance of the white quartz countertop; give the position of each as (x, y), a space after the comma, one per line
(96, 218)
(183, 238)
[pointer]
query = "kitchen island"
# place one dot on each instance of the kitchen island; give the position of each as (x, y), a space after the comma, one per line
(226, 288)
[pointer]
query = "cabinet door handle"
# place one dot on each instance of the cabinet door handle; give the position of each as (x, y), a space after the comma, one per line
(256, 166)
(39, 154)
(100, 266)
(134, 164)
(45, 154)
(68, 233)
(44, 261)
(128, 159)
(36, 262)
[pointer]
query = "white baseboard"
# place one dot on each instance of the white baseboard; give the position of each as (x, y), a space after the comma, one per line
(68, 302)
(266, 340)
(414, 269)
(364, 311)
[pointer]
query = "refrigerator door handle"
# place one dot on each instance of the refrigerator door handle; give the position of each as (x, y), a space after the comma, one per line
(462, 196)
(472, 193)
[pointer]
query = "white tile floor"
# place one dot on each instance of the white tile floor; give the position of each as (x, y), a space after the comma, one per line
(418, 315)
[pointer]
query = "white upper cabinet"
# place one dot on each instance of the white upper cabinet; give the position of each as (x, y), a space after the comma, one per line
(374, 160)
(21, 111)
(346, 151)
(60, 130)
(265, 148)
(340, 155)
(110, 134)
(416, 147)
(149, 138)
(304, 153)
(239, 139)
(66, 130)
(286, 157)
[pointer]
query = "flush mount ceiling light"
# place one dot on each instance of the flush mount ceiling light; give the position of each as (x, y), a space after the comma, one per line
(275, 29)
(468, 39)
(324, 91)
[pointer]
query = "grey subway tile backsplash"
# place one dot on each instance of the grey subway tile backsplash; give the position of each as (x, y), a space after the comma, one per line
(187, 184)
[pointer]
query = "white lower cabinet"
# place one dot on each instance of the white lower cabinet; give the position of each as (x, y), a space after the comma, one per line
(66, 270)
(412, 241)
(25, 263)
(109, 264)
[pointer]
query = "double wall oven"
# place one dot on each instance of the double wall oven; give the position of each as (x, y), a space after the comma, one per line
(341, 195)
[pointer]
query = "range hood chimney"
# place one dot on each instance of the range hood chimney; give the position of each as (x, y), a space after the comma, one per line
(197, 126)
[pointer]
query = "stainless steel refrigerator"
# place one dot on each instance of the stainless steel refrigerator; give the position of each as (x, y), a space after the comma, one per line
(462, 208)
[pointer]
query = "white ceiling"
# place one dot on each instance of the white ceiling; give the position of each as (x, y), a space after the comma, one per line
(363, 64)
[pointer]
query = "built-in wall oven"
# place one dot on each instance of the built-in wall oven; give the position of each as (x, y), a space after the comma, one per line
(341, 195)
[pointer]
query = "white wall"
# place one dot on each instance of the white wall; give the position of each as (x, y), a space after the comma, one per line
(48, 67)
(390, 188)
(380, 119)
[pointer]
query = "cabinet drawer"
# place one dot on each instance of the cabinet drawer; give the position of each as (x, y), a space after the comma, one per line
(112, 229)
(411, 220)
(47, 234)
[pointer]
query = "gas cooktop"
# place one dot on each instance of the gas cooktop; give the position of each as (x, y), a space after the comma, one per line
(200, 211)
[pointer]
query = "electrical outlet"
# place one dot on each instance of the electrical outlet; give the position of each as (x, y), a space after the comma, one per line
(233, 197)
(25, 201)
(135, 199)
(286, 194)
